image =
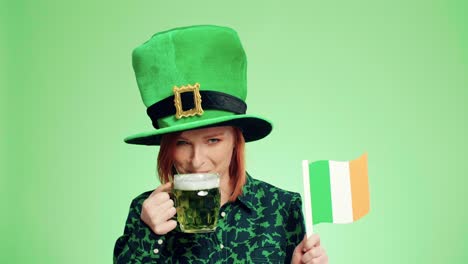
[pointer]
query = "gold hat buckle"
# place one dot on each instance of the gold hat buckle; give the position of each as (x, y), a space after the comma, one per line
(197, 110)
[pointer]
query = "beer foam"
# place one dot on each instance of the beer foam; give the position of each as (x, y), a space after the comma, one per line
(194, 182)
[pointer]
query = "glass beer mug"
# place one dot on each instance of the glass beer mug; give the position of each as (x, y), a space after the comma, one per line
(197, 200)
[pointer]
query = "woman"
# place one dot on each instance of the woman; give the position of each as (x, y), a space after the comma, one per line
(193, 82)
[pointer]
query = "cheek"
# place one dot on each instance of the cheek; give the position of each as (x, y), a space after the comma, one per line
(224, 158)
(179, 156)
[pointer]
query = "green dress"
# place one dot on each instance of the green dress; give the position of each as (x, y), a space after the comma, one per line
(263, 225)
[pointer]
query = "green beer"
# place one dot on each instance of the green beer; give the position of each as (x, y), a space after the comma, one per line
(197, 201)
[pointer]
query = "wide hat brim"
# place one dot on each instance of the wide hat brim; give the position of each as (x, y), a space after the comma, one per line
(253, 128)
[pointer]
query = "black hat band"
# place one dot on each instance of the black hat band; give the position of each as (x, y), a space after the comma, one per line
(210, 100)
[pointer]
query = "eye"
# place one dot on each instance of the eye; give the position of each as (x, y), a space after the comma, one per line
(213, 140)
(181, 142)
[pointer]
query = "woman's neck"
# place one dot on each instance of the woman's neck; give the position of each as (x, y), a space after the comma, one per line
(225, 189)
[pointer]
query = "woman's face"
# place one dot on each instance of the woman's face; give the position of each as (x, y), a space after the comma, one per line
(205, 150)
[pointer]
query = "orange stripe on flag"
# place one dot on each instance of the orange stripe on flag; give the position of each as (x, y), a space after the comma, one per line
(359, 187)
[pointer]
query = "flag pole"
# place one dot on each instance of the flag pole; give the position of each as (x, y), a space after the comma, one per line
(307, 198)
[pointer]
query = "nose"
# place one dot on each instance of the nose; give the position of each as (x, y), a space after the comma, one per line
(198, 158)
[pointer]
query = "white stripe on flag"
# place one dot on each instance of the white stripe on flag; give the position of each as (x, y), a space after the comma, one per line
(307, 200)
(340, 183)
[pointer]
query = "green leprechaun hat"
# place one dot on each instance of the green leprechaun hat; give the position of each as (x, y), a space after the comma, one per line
(194, 77)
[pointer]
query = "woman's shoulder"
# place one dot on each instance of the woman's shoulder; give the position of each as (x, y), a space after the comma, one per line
(262, 188)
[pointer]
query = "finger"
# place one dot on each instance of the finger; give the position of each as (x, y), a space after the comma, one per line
(301, 245)
(165, 206)
(317, 252)
(163, 216)
(313, 254)
(153, 208)
(311, 257)
(159, 198)
(297, 254)
(320, 260)
(150, 205)
(312, 241)
(167, 187)
(159, 213)
(307, 257)
(171, 213)
(165, 227)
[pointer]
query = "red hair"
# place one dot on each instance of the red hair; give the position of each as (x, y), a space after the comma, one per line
(166, 168)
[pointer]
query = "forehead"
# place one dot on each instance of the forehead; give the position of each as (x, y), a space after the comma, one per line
(202, 132)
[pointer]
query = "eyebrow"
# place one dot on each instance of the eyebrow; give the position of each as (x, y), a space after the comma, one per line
(214, 135)
(219, 134)
(181, 138)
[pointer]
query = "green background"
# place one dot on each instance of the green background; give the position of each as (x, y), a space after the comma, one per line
(338, 79)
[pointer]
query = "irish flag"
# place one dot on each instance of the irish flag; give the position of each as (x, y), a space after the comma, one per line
(335, 191)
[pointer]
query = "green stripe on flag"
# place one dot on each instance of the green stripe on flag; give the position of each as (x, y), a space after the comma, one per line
(319, 175)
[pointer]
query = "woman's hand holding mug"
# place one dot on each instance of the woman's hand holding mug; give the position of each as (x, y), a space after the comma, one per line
(158, 210)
